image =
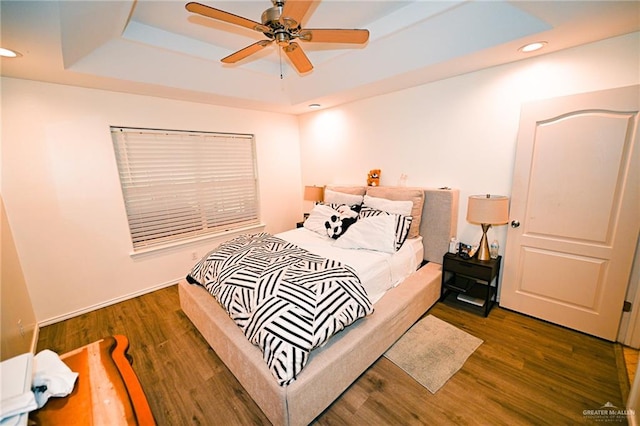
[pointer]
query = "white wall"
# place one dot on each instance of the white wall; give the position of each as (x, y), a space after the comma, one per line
(460, 132)
(63, 200)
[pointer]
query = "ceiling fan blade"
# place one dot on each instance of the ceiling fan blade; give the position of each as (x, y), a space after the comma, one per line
(293, 12)
(298, 57)
(221, 15)
(243, 53)
(334, 36)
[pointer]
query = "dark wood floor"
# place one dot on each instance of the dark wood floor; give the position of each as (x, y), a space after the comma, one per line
(526, 372)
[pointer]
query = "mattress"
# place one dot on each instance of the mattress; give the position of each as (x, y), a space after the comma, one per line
(378, 271)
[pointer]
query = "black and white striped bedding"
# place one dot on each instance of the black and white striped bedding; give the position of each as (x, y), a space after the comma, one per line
(286, 300)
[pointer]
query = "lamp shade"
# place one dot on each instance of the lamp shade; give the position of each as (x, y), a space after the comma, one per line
(488, 209)
(313, 193)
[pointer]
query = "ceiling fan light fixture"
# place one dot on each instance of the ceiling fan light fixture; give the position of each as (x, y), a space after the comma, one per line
(532, 47)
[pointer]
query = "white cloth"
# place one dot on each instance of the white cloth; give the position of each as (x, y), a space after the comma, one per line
(11, 407)
(51, 377)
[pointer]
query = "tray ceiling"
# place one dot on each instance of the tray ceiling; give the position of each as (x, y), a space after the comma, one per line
(158, 48)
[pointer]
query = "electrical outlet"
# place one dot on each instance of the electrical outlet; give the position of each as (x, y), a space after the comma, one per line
(20, 327)
(194, 255)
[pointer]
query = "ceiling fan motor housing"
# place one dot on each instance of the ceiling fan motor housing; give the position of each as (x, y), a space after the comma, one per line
(271, 16)
(282, 34)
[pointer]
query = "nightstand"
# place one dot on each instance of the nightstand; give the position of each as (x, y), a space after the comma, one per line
(468, 281)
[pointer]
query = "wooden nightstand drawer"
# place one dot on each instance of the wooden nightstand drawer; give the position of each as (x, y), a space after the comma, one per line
(469, 267)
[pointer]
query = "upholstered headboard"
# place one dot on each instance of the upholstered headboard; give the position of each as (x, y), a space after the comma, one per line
(439, 219)
(439, 222)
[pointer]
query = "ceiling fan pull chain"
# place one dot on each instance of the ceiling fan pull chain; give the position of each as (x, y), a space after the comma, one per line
(280, 57)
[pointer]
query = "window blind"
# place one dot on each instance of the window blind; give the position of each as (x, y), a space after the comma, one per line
(178, 185)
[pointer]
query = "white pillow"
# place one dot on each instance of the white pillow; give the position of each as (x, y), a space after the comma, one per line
(333, 197)
(370, 233)
(402, 223)
(317, 218)
(395, 207)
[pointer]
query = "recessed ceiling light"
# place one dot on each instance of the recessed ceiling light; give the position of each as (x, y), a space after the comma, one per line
(314, 106)
(532, 47)
(7, 53)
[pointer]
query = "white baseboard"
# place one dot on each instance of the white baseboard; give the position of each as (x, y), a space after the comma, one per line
(104, 304)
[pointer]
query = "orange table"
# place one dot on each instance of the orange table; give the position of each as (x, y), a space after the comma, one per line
(107, 391)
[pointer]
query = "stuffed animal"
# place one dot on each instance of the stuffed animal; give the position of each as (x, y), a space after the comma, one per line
(373, 179)
(334, 226)
(338, 223)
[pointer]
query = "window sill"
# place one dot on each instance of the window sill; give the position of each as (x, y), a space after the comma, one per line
(184, 243)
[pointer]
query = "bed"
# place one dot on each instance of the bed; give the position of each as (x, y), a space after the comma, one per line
(331, 368)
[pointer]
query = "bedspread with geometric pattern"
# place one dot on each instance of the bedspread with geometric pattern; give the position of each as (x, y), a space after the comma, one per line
(286, 300)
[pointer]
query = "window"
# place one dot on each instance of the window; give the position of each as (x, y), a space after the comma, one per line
(179, 185)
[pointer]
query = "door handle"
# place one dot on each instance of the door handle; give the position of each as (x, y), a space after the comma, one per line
(515, 223)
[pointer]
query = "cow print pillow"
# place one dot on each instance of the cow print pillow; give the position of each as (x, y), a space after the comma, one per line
(344, 216)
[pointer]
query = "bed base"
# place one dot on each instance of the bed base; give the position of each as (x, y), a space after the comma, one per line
(332, 368)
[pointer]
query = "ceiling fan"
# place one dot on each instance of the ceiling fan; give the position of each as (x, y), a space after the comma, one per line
(282, 24)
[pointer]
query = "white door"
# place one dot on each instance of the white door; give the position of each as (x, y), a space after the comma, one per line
(575, 210)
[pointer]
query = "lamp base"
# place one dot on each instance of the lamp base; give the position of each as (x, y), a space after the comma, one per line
(483, 252)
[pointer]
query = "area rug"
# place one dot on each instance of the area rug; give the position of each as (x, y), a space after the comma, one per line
(432, 351)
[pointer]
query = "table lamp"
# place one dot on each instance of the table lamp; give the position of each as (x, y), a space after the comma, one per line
(487, 210)
(313, 193)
